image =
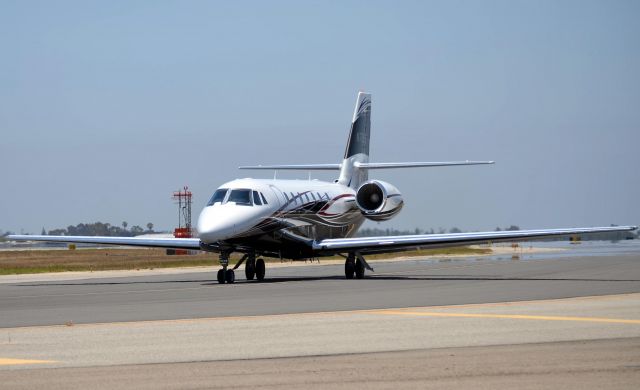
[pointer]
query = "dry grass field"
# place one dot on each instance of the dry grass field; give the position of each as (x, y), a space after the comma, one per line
(61, 260)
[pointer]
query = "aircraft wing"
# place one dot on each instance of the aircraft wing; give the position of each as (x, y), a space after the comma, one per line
(422, 241)
(175, 243)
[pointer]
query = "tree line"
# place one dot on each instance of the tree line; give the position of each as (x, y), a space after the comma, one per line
(101, 229)
(606, 236)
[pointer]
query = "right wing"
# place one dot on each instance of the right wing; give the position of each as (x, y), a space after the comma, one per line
(390, 244)
(175, 243)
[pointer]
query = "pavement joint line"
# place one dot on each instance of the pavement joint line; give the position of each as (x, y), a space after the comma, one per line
(508, 316)
(15, 362)
(344, 312)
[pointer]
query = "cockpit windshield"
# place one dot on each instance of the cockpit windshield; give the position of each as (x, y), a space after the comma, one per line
(218, 196)
(240, 197)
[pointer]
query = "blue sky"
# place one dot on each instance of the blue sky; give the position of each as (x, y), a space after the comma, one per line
(106, 107)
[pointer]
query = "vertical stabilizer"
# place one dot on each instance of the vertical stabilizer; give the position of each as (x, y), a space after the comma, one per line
(358, 144)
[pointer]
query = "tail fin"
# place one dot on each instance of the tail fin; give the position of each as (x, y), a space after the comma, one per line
(358, 144)
(354, 169)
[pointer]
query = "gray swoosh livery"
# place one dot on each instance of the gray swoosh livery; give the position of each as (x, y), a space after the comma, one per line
(300, 219)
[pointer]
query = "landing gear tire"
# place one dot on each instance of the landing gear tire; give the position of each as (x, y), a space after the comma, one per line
(359, 269)
(221, 276)
(349, 268)
(230, 276)
(250, 270)
(260, 269)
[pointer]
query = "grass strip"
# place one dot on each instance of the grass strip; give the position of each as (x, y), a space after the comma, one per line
(63, 260)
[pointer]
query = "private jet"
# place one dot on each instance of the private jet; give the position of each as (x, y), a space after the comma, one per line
(306, 219)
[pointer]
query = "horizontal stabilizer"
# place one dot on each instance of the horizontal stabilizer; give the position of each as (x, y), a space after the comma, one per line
(359, 165)
(392, 165)
(299, 167)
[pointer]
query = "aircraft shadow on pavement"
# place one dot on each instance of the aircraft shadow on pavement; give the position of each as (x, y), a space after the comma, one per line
(430, 278)
(370, 278)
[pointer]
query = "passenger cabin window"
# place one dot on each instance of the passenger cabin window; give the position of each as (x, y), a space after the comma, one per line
(256, 199)
(264, 200)
(218, 196)
(240, 197)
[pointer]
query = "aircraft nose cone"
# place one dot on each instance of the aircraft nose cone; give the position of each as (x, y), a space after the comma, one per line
(212, 226)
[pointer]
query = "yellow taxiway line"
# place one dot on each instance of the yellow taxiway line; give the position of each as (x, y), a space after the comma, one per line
(14, 362)
(506, 316)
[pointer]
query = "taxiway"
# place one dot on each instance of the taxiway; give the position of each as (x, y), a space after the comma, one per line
(554, 321)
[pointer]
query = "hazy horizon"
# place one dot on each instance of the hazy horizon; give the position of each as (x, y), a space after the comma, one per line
(108, 107)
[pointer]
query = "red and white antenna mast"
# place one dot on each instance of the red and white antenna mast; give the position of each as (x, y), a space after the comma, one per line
(183, 199)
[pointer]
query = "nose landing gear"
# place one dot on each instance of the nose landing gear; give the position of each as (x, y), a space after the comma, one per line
(225, 275)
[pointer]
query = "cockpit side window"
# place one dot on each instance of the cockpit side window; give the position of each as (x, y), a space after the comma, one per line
(264, 200)
(240, 197)
(256, 199)
(218, 196)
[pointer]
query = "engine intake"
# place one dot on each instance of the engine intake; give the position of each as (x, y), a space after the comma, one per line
(378, 200)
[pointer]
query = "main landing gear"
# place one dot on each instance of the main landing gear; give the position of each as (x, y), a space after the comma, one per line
(253, 268)
(355, 265)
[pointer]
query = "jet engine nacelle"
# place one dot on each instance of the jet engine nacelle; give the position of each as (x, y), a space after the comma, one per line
(378, 200)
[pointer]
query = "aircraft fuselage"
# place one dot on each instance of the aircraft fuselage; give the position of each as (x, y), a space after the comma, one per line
(278, 217)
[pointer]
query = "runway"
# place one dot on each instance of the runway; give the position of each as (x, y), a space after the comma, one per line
(488, 323)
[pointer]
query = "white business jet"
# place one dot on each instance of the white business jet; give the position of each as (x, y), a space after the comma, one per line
(302, 219)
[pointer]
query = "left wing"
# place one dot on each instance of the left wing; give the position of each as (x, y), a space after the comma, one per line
(175, 243)
(399, 243)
